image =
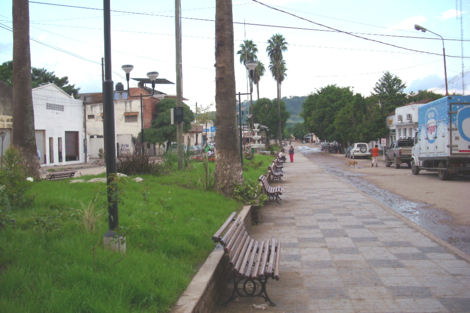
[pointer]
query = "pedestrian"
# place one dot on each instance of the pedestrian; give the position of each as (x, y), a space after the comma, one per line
(291, 154)
(282, 155)
(375, 156)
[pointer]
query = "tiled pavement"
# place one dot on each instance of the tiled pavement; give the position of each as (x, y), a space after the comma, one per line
(345, 252)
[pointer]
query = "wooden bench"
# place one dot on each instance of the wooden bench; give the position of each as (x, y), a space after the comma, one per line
(280, 160)
(252, 262)
(273, 193)
(277, 167)
(274, 175)
(60, 175)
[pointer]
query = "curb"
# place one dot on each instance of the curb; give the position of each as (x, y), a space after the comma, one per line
(202, 292)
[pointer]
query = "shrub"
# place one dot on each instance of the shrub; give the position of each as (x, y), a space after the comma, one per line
(130, 164)
(13, 176)
(249, 192)
(206, 178)
(89, 215)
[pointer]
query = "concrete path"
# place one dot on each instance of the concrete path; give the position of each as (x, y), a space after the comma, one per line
(345, 252)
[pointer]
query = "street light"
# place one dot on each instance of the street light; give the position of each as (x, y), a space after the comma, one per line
(240, 113)
(421, 28)
(153, 77)
(250, 66)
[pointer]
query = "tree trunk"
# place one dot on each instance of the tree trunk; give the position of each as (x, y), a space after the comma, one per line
(228, 169)
(257, 89)
(23, 111)
(279, 110)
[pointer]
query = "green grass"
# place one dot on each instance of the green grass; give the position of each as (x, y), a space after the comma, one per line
(58, 267)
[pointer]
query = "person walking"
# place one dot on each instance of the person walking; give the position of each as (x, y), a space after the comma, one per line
(375, 156)
(291, 154)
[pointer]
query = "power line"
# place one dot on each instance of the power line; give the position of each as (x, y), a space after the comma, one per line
(243, 23)
(351, 34)
(60, 49)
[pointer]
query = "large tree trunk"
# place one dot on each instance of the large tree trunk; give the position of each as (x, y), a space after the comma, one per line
(228, 168)
(23, 111)
(279, 111)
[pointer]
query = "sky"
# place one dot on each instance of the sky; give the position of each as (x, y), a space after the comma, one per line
(342, 42)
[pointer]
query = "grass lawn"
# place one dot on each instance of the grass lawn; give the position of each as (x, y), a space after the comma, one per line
(50, 263)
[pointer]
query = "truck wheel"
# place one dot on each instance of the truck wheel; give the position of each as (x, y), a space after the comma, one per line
(409, 164)
(442, 174)
(414, 168)
(396, 163)
(387, 162)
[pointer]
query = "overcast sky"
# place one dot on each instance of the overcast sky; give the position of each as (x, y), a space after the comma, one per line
(318, 55)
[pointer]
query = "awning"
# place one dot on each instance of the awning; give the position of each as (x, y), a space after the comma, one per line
(131, 113)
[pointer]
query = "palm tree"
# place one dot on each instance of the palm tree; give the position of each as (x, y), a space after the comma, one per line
(258, 73)
(248, 51)
(23, 111)
(228, 168)
(277, 44)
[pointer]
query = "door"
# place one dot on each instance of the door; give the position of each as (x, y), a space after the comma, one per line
(40, 144)
(71, 146)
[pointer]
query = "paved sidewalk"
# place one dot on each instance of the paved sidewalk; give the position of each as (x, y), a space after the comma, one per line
(345, 252)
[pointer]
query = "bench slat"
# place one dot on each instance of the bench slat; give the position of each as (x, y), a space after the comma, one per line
(226, 238)
(254, 273)
(252, 260)
(271, 258)
(241, 258)
(216, 236)
(239, 251)
(235, 237)
(264, 259)
(238, 242)
(278, 261)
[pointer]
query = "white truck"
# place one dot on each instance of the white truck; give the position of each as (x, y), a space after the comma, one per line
(442, 141)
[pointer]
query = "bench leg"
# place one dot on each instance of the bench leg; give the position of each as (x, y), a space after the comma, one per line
(246, 291)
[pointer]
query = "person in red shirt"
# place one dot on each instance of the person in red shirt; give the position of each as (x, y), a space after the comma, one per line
(375, 156)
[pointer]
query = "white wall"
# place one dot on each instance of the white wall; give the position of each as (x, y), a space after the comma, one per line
(65, 114)
(406, 127)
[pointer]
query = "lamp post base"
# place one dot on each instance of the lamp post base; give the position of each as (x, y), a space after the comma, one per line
(114, 242)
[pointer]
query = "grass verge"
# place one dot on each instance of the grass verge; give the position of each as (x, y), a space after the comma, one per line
(53, 261)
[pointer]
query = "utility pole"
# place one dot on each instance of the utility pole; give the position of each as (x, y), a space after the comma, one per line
(179, 95)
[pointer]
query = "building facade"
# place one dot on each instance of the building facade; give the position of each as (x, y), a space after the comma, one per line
(59, 126)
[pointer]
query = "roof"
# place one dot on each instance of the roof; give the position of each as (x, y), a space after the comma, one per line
(54, 86)
(158, 81)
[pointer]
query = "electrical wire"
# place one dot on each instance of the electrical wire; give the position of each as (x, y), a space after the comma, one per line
(242, 23)
(351, 34)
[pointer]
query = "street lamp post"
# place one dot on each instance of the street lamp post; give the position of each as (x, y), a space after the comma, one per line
(421, 28)
(2, 134)
(251, 65)
(152, 76)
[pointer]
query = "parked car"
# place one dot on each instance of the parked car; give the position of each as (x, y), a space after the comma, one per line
(197, 149)
(399, 152)
(347, 153)
(360, 150)
(174, 147)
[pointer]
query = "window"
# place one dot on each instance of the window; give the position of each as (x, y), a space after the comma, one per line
(55, 107)
(400, 118)
(91, 116)
(130, 118)
(408, 117)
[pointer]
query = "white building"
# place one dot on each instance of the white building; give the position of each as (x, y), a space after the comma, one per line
(59, 125)
(406, 119)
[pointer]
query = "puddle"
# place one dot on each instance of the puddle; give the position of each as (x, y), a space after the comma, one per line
(428, 217)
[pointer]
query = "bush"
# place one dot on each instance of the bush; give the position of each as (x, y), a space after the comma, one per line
(13, 176)
(249, 193)
(137, 164)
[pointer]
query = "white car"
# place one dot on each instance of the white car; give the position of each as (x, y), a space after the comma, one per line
(360, 150)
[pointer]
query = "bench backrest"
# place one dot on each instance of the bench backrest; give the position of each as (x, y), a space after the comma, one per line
(248, 257)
